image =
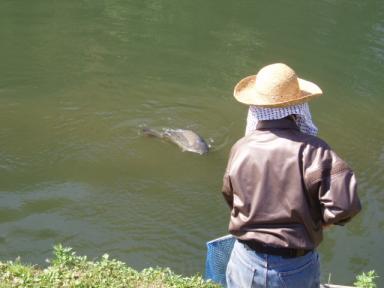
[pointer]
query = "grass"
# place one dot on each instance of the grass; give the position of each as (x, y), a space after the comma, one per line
(366, 280)
(67, 269)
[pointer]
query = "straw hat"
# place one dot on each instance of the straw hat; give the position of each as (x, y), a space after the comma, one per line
(275, 85)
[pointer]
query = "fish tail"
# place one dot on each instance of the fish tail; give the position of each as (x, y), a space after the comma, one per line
(151, 132)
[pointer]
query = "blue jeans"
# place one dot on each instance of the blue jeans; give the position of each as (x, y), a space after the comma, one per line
(247, 268)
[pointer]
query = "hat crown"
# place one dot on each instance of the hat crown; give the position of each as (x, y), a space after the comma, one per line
(277, 81)
(275, 85)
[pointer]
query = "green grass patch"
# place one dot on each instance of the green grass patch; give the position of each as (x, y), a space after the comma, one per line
(67, 269)
(366, 280)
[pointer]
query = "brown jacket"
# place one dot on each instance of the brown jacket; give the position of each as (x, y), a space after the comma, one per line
(283, 185)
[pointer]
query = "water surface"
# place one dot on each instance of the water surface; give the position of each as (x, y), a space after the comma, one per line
(79, 78)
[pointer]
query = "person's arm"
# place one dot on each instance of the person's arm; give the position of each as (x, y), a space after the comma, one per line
(227, 190)
(338, 197)
(335, 185)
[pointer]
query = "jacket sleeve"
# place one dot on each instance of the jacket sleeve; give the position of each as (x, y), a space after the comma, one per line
(339, 198)
(227, 189)
(336, 188)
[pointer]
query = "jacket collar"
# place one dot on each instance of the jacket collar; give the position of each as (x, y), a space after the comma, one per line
(285, 123)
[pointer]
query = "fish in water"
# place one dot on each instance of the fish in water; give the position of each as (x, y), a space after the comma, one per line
(187, 140)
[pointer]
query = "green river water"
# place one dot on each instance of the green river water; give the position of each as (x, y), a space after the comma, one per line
(79, 78)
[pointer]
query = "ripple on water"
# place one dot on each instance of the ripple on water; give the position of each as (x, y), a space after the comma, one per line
(150, 217)
(43, 198)
(207, 120)
(40, 215)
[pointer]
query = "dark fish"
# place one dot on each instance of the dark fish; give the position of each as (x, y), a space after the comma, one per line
(187, 140)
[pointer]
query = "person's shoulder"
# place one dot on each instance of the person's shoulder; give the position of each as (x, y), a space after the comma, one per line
(318, 151)
(315, 141)
(300, 138)
(241, 144)
(247, 139)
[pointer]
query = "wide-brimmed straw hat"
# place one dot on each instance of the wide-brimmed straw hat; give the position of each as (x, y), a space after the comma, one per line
(275, 85)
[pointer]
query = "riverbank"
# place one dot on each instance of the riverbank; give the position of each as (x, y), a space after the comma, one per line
(67, 269)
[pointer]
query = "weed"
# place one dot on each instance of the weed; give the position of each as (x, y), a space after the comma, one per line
(366, 280)
(67, 269)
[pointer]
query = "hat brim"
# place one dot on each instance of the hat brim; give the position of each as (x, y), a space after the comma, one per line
(245, 92)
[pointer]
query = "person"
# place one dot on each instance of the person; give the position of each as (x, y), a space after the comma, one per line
(283, 184)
